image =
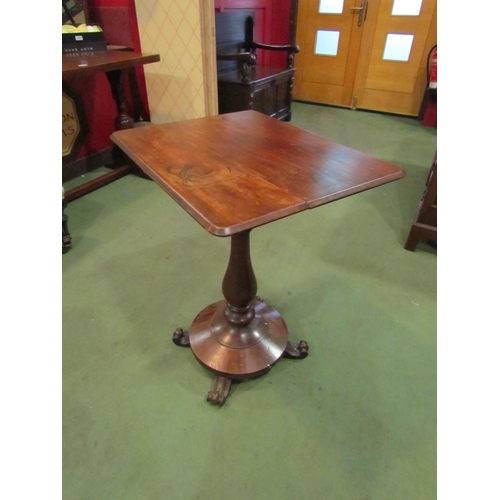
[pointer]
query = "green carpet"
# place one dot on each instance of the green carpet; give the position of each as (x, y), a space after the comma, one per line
(355, 420)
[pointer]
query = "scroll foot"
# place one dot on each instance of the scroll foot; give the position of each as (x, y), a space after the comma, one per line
(181, 338)
(219, 390)
(296, 351)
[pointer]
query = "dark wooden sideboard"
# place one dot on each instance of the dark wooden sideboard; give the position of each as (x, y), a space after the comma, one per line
(243, 81)
(266, 91)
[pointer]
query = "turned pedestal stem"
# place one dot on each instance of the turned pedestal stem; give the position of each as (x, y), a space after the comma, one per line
(239, 285)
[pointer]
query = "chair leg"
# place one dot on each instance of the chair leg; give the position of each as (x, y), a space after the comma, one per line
(413, 239)
(419, 232)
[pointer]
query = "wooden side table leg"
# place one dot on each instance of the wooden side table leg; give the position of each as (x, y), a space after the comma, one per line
(66, 237)
(123, 120)
(412, 240)
(424, 226)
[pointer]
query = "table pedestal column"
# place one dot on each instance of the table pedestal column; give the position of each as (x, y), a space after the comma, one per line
(240, 337)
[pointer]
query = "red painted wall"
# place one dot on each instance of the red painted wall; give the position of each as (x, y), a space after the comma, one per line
(281, 29)
(272, 24)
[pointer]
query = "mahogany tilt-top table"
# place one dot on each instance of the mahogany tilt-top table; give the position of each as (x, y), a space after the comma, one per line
(232, 173)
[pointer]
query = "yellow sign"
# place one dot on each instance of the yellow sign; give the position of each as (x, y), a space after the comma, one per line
(70, 124)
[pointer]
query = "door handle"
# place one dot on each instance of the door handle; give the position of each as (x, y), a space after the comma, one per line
(360, 9)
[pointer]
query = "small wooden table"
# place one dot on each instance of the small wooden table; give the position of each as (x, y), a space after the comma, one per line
(233, 173)
(114, 63)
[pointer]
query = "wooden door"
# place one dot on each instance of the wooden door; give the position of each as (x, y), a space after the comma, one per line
(395, 80)
(348, 54)
(329, 45)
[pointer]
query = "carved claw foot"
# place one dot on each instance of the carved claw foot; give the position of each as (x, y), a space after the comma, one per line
(181, 338)
(219, 390)
(296, 351)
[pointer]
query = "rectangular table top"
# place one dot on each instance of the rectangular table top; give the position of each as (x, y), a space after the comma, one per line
(84, 64)
(237, 171)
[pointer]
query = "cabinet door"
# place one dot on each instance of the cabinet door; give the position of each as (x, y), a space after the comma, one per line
(273, 98)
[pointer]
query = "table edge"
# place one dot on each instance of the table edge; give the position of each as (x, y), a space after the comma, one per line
(141, 59)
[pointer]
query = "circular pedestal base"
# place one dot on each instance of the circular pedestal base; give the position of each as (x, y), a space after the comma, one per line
(238, 352)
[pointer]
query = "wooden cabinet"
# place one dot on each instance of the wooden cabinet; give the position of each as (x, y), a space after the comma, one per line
(267, 91)
(243, 82)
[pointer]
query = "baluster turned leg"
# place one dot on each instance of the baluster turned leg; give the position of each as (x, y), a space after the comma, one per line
(116, 80)
(239, 285)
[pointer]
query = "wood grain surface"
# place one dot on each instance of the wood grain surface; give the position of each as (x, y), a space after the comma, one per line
(84, 64)
(237, 171)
